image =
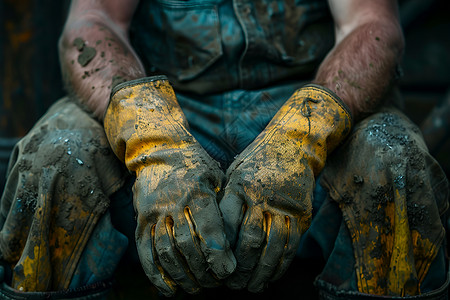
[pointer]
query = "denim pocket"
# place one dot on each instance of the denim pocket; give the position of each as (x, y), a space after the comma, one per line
(181, 38)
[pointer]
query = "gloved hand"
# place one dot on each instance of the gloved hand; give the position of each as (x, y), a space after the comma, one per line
(180, 235)
(267, 203)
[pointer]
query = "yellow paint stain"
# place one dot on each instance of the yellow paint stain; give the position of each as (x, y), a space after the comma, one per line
(29, 264)
(59, 236)
(36, 273)
(402, 260)
(396, 262)
(425, 252)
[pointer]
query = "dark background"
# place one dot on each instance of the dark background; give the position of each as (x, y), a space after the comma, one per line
(30, 78)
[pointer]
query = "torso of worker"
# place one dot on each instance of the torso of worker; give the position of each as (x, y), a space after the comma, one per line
(211, 46)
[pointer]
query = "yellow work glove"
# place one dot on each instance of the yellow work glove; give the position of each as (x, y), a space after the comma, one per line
(180, 235)
(268, 198)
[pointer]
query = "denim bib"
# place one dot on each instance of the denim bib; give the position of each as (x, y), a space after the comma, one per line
(210, 46)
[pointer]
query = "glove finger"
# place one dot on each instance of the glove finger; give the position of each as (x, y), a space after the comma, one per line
(276, 228)
(171, 261)
(207, 221)
(290, 248)
(233, 209)
(188, 245)
(150, 263)
(248, 248)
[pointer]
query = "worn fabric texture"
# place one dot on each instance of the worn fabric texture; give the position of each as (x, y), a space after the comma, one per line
(59, 179)
(392, 195)
(212, 46)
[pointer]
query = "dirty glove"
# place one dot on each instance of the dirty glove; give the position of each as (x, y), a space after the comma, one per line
(267, 203)
(180, 235)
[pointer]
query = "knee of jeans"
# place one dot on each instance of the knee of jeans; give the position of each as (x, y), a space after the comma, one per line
(392, 142)
(390, 132)
(386, 182)
(101, 256)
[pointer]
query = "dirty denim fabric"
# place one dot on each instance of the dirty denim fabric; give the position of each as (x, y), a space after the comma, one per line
(210, 46)
(226, 123)
(92, 278)
(96, 291)
(101, 255)
(54, 210)
(328, 239)
(392, 194)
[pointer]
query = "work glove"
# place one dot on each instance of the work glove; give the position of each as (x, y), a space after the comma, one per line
(268, 198)
(180, 235)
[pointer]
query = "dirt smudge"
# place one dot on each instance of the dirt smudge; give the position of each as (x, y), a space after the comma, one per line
(86, 53)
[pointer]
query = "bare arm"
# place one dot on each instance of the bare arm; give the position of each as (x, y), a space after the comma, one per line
(369, 43)
(95, 52)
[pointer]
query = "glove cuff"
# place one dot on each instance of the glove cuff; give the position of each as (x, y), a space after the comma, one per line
(324, 113)
(138, 81)
(314, 119)
(143, 116)
(333, 96)
(131, 83)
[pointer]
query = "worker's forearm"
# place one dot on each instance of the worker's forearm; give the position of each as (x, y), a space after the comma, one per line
(94, 57)
(362, 66)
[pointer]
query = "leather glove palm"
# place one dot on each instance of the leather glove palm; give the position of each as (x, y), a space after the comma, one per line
(268, 198)
(180, 233)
